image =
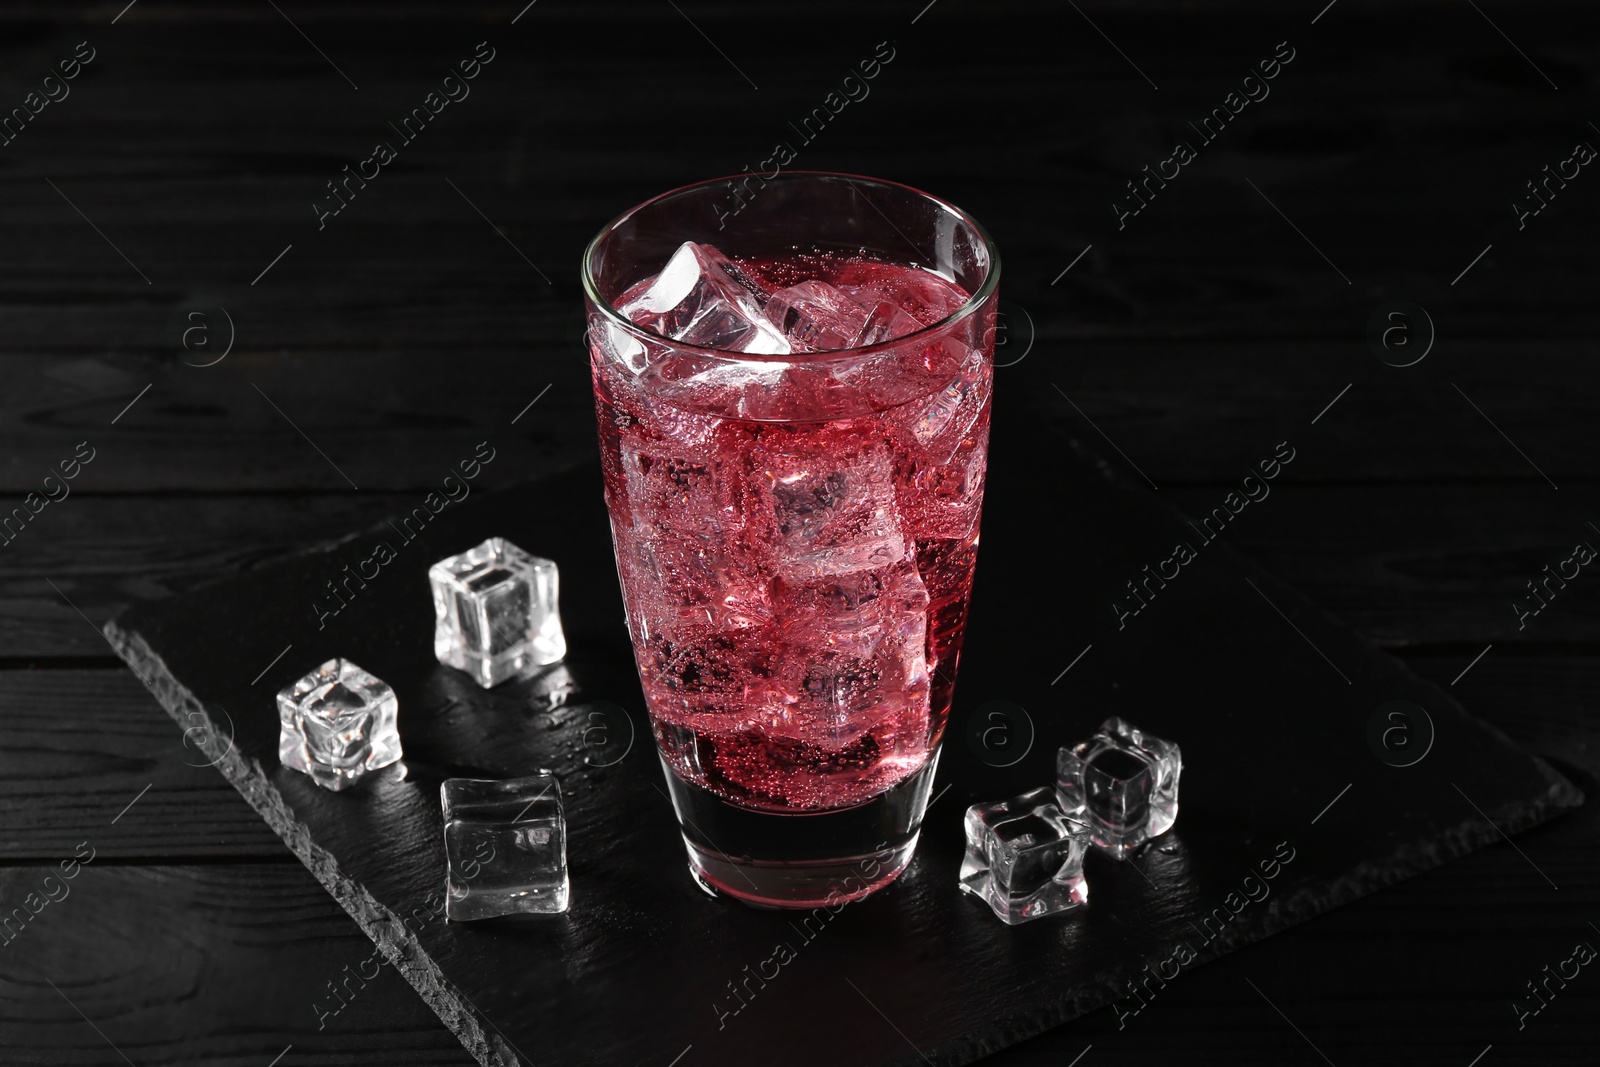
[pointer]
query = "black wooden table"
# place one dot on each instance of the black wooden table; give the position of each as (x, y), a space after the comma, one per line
(230, 368)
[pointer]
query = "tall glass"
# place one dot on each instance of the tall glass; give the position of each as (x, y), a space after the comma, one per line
(795, 534)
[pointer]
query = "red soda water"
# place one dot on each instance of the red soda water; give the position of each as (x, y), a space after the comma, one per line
(796, 544)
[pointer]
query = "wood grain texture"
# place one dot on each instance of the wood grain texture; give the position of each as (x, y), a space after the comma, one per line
(1407, 564)
(78, 747)
(1194, 339)
(402, 421)
(220, 964)
(406, 327)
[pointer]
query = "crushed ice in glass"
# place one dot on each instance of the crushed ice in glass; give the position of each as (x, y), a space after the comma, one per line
(506, 846)
(495, 612)
(336, 724)
(1025, 857)
(1123, 782)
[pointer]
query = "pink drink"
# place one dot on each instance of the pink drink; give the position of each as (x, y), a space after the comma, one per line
(794, 420)
(797, 590)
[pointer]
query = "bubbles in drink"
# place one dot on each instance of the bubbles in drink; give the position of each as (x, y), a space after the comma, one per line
(795, 533)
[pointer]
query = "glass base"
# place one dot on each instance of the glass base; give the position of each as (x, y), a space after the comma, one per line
(801, 860)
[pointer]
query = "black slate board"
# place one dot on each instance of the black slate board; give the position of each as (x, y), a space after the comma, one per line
(1270, 698)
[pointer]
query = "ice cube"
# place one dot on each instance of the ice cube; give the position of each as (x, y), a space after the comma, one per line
(681, 487)
(697, 673)
(703, 298)
(885, 322)
(1025, 857)
(832, 697)
(859, 611)
(949, 443)
(925, 296)
(614, 343)
(833, 511)
(495, 612)
(506, 847)
(854, 660)
(816, 317)
(950, 414)
(679, 570)
(945, 500)
(1123, 782)
(336, 724)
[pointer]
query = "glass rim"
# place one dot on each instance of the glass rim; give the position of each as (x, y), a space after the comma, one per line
(968, 308)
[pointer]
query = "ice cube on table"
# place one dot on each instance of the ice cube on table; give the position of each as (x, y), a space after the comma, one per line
(337, 724)
(495, 612)
(506, 847)
(1025, 857)
(1123, 782)
(703, 298)
(816, 317)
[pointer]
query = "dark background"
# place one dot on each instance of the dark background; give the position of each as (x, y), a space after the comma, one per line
(426, 316)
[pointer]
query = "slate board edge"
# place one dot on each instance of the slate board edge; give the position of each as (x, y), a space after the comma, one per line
(491, 1049)
(375, 919)
(1280, 914)
(461, 1018)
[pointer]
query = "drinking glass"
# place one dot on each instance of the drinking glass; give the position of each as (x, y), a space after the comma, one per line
(795, 532)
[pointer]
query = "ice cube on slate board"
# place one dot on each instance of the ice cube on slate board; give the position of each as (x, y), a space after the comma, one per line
(703, 298)
(336, 724)
(1025, 857)
(1123, 782)
(495, 612)
(506, 845)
